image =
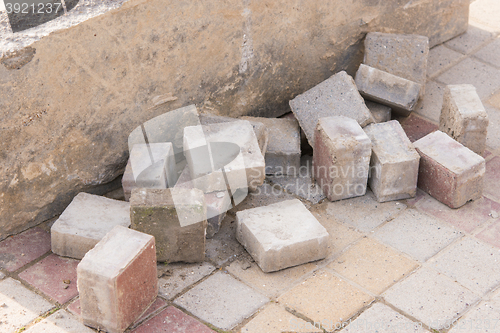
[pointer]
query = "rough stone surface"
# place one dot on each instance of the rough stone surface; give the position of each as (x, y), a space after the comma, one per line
(381, 113)
(218, 203)
(281, 235)
(175, 217)
(394, 162)
(341, 158)
(336, 96)
(388, 89)
(66, 114)
(448, 171)
(85, 222)
(117, 279)
(464, 118)
(150, 166)
(401, 55)
(283, 150)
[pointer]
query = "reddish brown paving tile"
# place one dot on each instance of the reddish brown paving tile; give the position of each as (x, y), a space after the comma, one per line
(416, 127)
(172, 320)
(157, 304)
(49, 275)
(18, 250)
(75, 308)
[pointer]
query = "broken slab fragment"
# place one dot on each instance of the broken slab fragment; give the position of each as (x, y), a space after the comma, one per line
(336, 96)
(398, 93)
(341, 158)
(176, 217)
(281, 235)
(449, 171)
(400, 55)
(218, 203)
(86, 220)
(151, 166)
(117, 280)
(394, 162)
(464, 118)
(381, 113)
(283, 150)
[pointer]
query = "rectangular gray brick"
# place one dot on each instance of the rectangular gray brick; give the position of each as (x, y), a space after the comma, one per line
(381, 113)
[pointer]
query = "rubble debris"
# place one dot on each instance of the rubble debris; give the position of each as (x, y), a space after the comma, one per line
(117, 280)
(394, 162)
(449, 171)
(281, 235)
(86, 220)
(464, 118)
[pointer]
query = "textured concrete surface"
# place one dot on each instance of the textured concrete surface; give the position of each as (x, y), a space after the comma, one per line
(380, 113)
(59, 322)
(174, 278)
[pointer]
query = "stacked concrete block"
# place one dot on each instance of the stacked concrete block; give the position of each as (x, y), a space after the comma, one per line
(336, 96)
(86, 220)
(464, 118)
(341, 157)
(225, 150)
(117, 280)
(150, 166)
(218, 203)
(176, 217)
(449, 171)
(401, 55)
(381, 113)
(261, 131)
(394, 162)
(388, 89)
(283, 150)
(281, 235)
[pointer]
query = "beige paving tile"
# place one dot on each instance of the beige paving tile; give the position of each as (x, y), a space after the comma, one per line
(372, 265)
(325, 297)
(486, 12)
(275, 319)
(432, 102)
(470, 40)
(176, 277)
(271, 284)
(440, 57)
(485, 318)
(490, 53)
(494, 100)
(59, 322)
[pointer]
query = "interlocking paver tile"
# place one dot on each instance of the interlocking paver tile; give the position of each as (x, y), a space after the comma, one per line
(325, 297)
(491, 234)
(59, 322)
(373, 265)
(469, 217)
(172, 320)
(493, 136)
(381, 318)
(492, 178)
(75, 308)
(18, 250)
(420, 195)
(18, 305)
(274, 319)
(416, 127)
(430, 105)
(440, 57)
(417, 234)
(159, 303)
(51, 275)
(222, 301)
(472, 264)
(469, 41)
(364, 213)
(484, 77)
(262, 196)
(430, 297)
(176, 277)
(270, 284)
(486, 12)
(224, 247)
(485, 318)
(489, 53)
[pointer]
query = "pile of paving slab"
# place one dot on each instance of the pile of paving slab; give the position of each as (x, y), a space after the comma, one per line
(172, 207)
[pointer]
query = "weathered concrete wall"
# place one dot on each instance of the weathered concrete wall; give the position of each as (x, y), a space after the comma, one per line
(67, 111)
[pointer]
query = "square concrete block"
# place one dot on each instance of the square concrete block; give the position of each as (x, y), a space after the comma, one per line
(283, 150)
(281, 235)
(464, 118)
(448, 171)
(176, 217)
(149, 166)
(341, 158)
(381, 113)
(117, 280)
(214, 152)
(388, 89)
(336, 96)
(218, 203)
(401, 55)
(394, 162)
(86, 220)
